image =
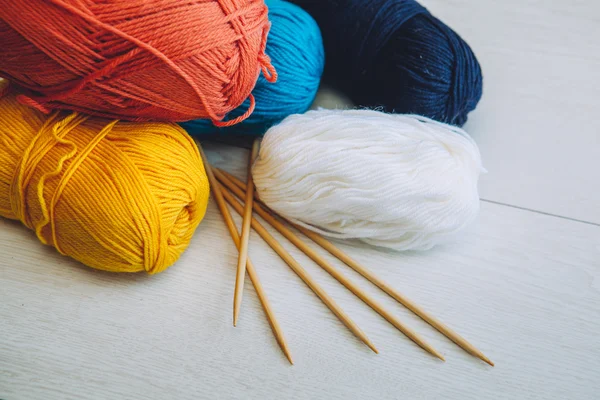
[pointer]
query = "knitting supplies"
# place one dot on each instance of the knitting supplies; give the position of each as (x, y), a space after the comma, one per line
(397, 181)
(296, 47)
(396, 55)
(137, 60)
(116, 196)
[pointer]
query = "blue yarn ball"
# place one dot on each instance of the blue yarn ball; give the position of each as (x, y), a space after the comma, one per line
(296, 50)
(394, 54)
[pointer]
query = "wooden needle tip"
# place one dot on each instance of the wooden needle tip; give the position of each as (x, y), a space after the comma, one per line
(487, 360)
(286, 350)
(235, 318)
(438, 355)
(372, 347)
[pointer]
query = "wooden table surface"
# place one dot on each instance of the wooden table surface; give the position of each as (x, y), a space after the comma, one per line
(523, 284)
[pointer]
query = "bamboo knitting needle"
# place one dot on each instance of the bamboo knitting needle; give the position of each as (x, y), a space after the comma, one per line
(301, 272)
(249, 267)
(416, 309)
(243, 251)
(288, 234)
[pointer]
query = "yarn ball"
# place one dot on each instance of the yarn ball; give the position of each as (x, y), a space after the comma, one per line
(395, 55)
(117, 196)
(403, 182)
(138, 60)
(296, 46)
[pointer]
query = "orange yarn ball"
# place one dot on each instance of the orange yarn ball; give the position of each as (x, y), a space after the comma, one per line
(137, 60)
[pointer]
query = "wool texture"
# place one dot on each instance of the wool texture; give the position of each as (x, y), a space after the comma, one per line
(403, 182)
(117, 196)
(296, 47)
(395, 55)
(136, 60)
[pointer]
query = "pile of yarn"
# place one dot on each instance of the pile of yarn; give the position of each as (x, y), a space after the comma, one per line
(396, 181)
(296, 47)
(138, 60)
(127, 196)
(117, 196)
(403, 182)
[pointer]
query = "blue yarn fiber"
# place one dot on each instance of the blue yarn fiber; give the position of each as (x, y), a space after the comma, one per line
(296, 50)
(395, 55)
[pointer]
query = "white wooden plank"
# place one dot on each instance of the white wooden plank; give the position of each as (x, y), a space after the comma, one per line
(523, 287)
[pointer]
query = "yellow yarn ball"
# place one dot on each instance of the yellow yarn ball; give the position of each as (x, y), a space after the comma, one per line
(116, 196)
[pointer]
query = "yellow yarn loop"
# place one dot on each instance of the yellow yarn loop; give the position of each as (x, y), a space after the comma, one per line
(116, 196)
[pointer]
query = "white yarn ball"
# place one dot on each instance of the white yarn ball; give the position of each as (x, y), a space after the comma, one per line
(398, 181)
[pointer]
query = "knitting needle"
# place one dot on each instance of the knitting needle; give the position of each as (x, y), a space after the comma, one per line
(262, 296)
(243, 253)
(288, 234)
(301, 272)
(416, 309)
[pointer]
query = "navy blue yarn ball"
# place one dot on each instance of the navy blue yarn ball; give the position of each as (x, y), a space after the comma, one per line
(296, 50)
(394, 54)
